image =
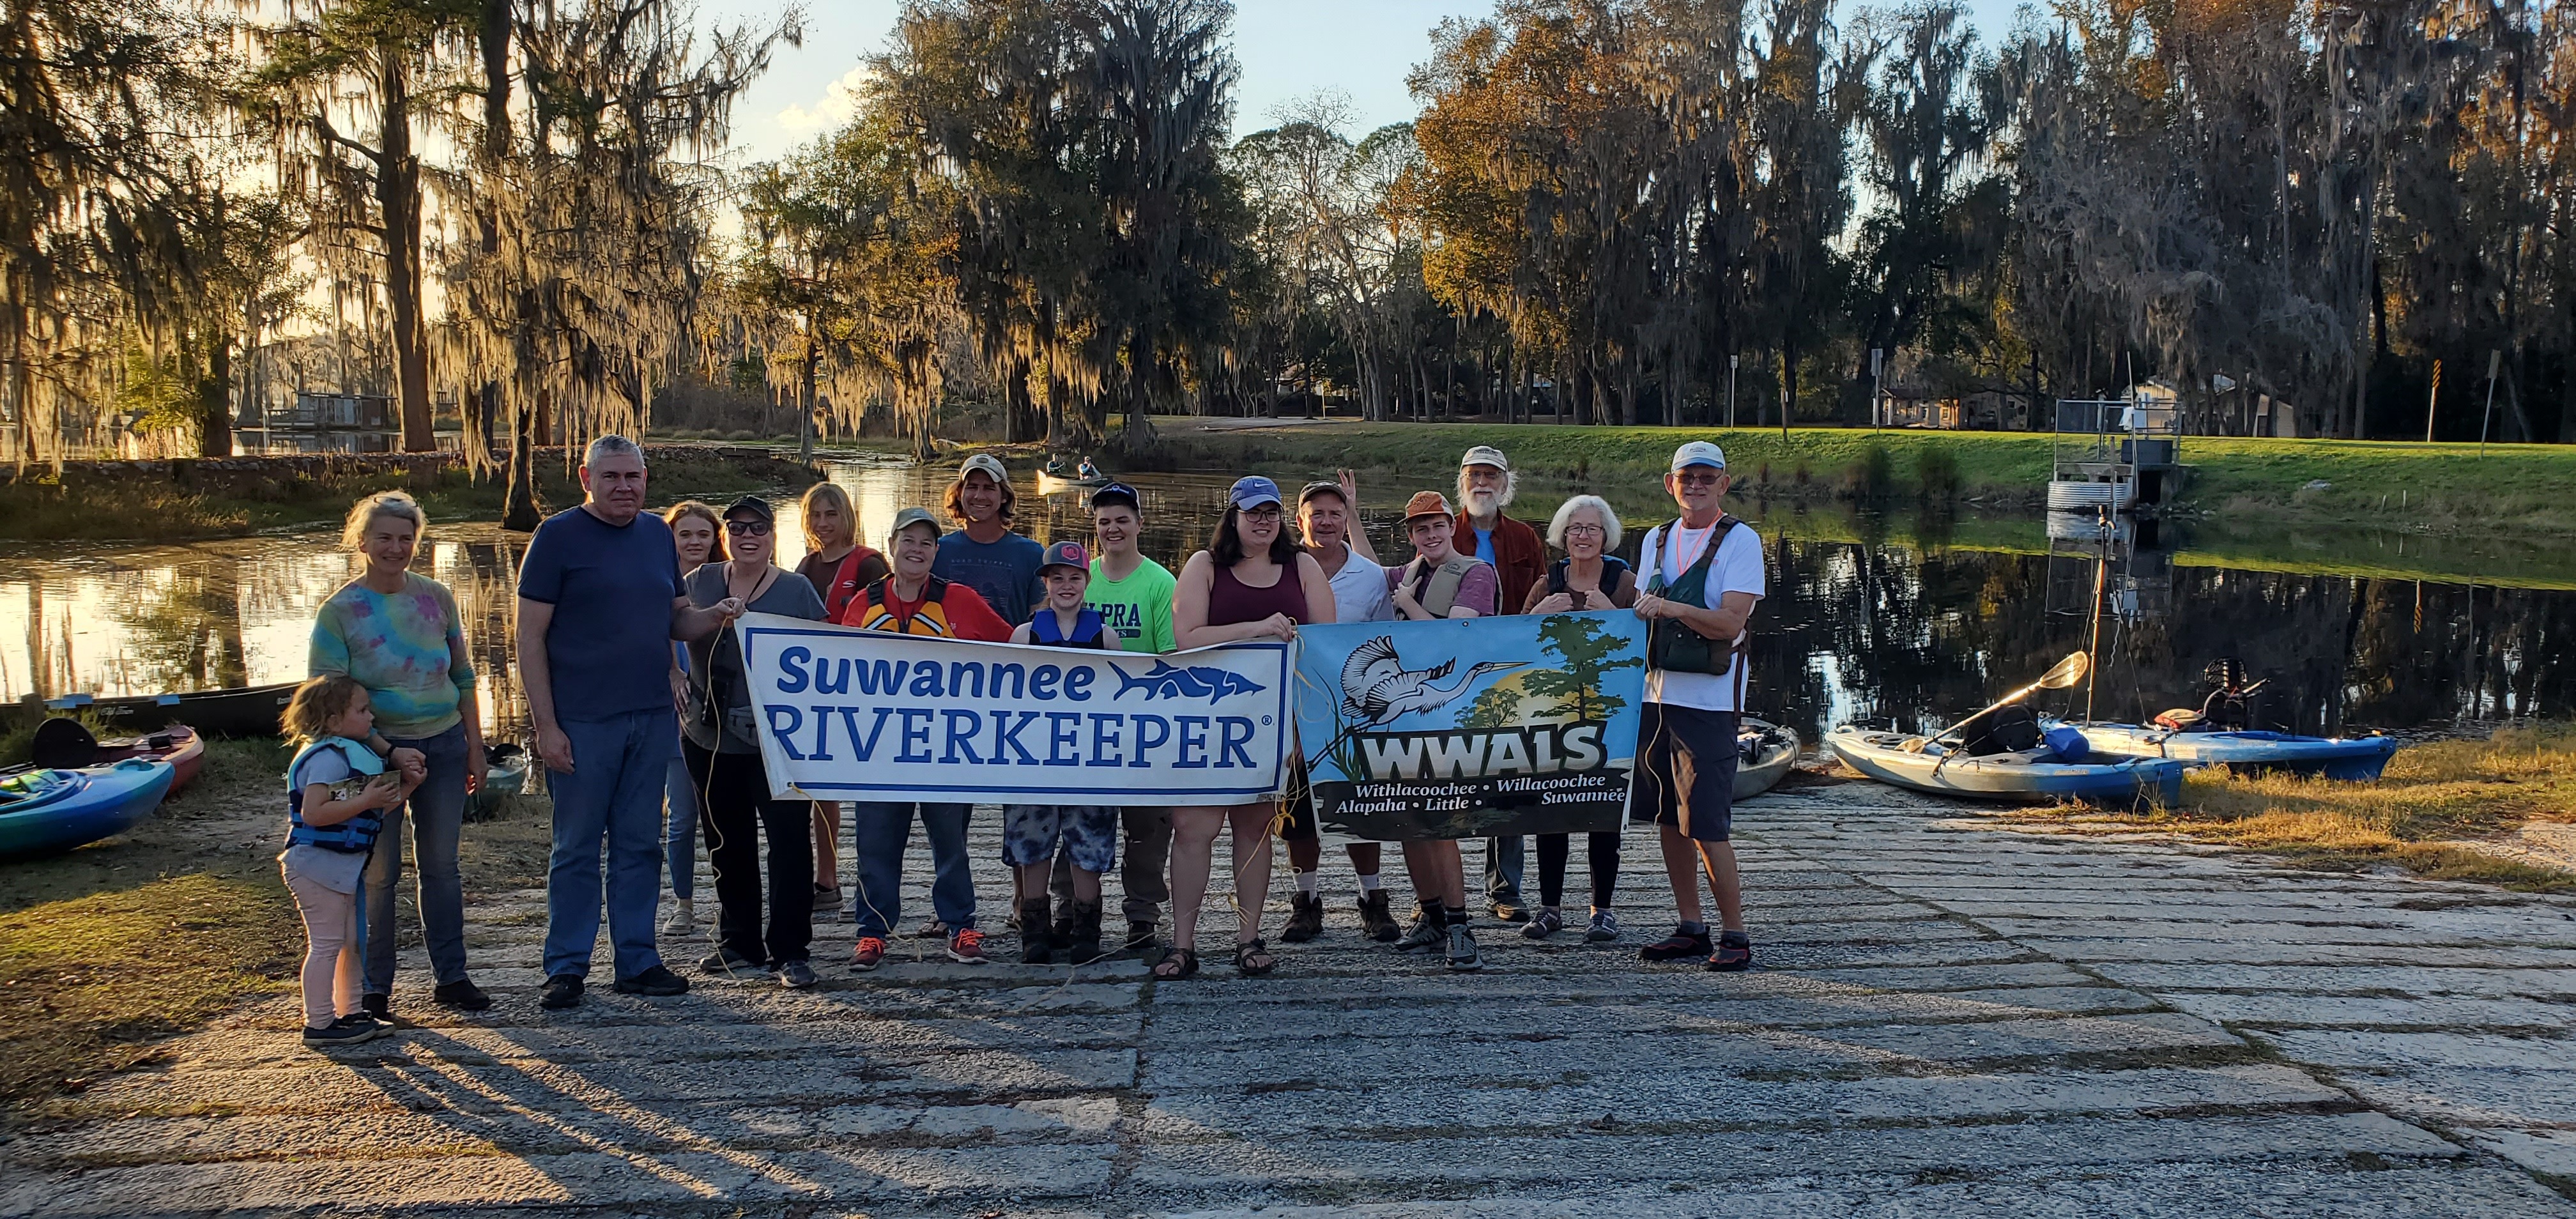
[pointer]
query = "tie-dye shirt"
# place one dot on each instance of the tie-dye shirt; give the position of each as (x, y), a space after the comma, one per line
(407, 649)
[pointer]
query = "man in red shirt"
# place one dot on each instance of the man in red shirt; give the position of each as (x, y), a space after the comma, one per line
(1485, 487)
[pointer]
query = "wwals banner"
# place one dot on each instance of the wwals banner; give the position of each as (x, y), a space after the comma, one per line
(1525, 724)
(866, 715)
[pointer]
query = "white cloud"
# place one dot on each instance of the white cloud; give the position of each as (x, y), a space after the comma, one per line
(839, 103)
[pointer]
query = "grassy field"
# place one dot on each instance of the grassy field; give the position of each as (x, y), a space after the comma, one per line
(2435, 797)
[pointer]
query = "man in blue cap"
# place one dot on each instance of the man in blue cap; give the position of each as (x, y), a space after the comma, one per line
(1703, 576)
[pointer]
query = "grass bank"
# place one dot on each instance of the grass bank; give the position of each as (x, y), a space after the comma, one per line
(2436, 799)
(2438, 487)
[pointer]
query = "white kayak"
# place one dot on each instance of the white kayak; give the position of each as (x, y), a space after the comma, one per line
(2348, 758)
(2023, 776)
(1765, 753)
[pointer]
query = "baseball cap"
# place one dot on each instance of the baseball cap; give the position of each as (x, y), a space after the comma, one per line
(1426, 503)
(754, 505)
(1117, 493)
(1323, 487)
(1252, 491)
(1066, 553)
(910, 517)
(1484, 455)
(1698, 453)
(989, 464)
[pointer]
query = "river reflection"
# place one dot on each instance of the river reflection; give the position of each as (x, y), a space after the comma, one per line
(1864, 622)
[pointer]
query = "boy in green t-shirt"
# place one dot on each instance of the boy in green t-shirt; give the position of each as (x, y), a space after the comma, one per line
(1134, 594)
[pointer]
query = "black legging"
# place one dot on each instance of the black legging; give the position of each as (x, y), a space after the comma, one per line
(734, 811)
(1600, 850)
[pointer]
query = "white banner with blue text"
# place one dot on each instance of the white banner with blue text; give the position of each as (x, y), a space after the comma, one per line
(848, 714)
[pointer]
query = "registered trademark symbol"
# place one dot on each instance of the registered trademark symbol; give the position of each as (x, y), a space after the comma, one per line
(1265, 720)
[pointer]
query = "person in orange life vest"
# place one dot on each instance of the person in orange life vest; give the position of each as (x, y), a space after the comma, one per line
(914, 602)
(1088, 833)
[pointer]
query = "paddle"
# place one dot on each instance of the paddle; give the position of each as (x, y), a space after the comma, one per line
(2064, 673)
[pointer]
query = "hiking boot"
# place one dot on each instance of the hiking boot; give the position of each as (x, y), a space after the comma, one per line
(1141, 939)
(870, 954)
(796, 975)
(725, 962)
(1082, 944)
(657, 982)
(559, 992)
(1062, 924)
(1604, 928)
(827, 900)
(1462, 949)
(1734, 953)
(1305, 919)
(379, 1006)
(1037, 940)
(683, 922)
(1545, 923)
(1376, 921)
(1429, 931)
(462, 995)
(347, 1030)
(966, 947)
(1678, 946)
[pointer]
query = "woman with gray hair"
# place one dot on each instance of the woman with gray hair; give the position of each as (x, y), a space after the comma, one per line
(397, 633)
(1587, 578)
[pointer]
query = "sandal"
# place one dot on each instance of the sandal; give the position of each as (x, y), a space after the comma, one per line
(1245, 950)
(1184, 963)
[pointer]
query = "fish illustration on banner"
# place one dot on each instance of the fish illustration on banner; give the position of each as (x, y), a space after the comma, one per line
(1476, 727)
(847, 714)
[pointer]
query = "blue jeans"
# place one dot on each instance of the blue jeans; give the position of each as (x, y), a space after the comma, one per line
(1505, 862)
(680, 827)
(436, 811)
(878, 832)
(613, 795)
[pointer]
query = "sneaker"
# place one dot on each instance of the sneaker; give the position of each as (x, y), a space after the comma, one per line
(657, 982)
(796, 975)
(1376, 921)
(559, 992)
(1678, 945)
(1426, 933)
(1604, 928)
(966, 947)
(1462, 949)
(379, 1006)
(1305, 918)
(462, 995)
(1545, 923)
(827, 899)
(347, 1030)
(724, 962)
(870, 954)
(683, 922)
(1734, 953)
(1510, 910)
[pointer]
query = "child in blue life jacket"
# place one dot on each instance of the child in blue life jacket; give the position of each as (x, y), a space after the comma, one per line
(337, 791)
(1088, 833)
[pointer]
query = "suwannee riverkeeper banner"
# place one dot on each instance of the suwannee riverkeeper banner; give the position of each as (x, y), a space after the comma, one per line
(1477, 727)
(848, 714)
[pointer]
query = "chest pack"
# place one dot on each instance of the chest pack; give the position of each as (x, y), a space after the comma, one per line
(1671, 646)
(355, 836)
(1087, 626)
(1437, 587)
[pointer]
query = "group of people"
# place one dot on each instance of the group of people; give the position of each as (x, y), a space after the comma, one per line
(644, 722)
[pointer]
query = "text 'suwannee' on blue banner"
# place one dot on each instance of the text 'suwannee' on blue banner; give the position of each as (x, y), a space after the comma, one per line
(1523, 724)
(848, 714)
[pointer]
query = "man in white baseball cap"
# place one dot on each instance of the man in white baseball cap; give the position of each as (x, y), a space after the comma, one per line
(1486, 485)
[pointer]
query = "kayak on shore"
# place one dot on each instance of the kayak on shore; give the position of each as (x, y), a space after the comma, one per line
(1766, 752)
(44, 812)
(1919, 763)
(2356, 759)
(237, 711)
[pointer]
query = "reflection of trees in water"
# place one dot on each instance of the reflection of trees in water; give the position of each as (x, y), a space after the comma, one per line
(484, 575)
(184, 632)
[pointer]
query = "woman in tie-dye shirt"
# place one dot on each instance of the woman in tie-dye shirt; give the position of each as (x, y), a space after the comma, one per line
(397, 632)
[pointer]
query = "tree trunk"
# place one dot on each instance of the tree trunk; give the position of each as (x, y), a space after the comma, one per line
(215, 401)
(398, 196)
(805, 402)
(1788, 385)
(521, 509)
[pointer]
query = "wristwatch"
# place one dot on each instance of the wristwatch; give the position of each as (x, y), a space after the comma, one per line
(384, 748)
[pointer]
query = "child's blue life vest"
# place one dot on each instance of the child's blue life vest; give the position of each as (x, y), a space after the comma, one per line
(1087, 626)
(355, 836)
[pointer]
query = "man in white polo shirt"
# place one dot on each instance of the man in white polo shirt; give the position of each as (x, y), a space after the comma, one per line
(1702, 577)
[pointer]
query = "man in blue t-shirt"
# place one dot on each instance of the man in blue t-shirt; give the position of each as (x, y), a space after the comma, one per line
(983, 554)
(599, 604)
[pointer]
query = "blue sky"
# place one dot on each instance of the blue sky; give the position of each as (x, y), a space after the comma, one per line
(1288, 49)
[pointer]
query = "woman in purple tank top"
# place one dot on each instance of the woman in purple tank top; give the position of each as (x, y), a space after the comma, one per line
(1252, 582)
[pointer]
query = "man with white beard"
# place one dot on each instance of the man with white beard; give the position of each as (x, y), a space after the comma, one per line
(1485, 487)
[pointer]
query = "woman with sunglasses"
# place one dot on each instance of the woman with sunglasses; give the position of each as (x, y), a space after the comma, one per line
(723, 751)
(1252, 582)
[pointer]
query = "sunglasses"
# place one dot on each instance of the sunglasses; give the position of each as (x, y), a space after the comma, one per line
(1698, 480)
(758, 529)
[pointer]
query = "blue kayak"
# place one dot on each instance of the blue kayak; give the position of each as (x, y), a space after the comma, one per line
(46, 811)
(2351, 758)
(2025, 776)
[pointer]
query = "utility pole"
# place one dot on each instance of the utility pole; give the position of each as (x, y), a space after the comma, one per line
(2495, 363)
(1731, 362)
(2432, 400)
(1876, 413)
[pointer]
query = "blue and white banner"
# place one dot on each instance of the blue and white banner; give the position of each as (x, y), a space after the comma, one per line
(1522, 724)
(867, 715)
